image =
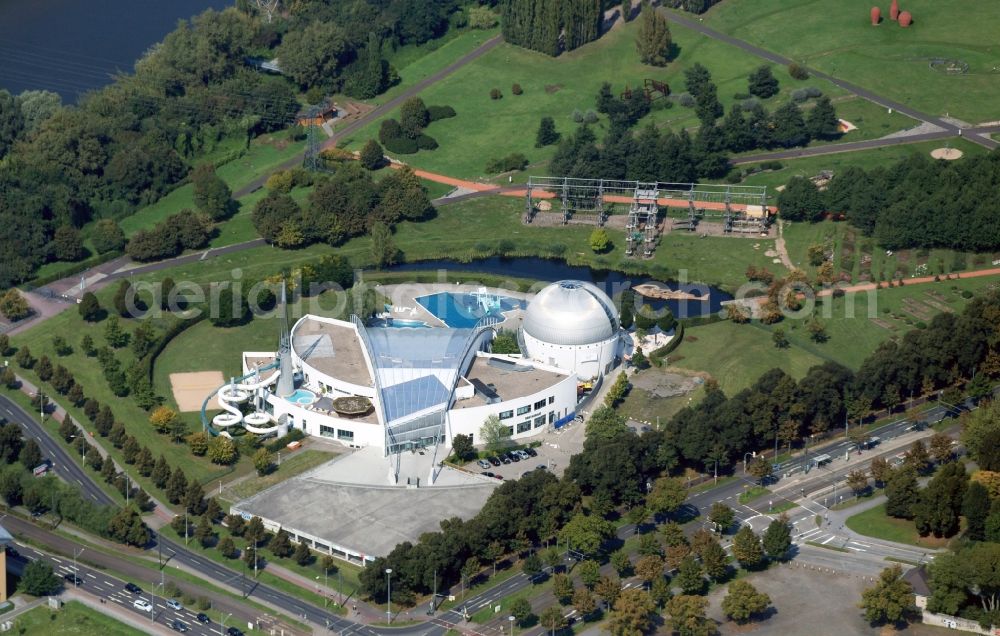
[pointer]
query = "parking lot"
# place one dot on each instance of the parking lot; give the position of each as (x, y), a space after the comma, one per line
(553, 452)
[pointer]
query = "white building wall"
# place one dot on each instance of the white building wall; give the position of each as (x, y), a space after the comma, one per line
(587, 361)
(468, 421)
(346, 431)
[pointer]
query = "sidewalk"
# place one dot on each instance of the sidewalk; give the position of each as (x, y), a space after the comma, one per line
(115, 611)
(21, 605)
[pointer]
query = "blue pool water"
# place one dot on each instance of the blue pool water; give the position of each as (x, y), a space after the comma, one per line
(302, 396)
(463, 311)
(400, 323)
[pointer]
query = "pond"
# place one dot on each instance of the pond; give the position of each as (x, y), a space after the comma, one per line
(611, 282)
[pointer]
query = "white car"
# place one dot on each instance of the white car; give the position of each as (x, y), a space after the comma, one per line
(173, 604)
(485, 465)
(142, 604)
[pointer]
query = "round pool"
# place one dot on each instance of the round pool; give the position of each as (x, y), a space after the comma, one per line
(302, 396)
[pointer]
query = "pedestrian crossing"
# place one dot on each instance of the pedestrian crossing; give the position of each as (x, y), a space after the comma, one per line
(825, 537)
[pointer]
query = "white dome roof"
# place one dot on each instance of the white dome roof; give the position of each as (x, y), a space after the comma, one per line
(571, 312)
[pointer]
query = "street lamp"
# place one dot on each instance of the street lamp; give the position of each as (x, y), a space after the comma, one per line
(751, 454)
(388, 595)
(222, 627)
(76, 570)
(511, 619)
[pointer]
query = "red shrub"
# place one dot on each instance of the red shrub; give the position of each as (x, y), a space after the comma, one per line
(876, 15)
(905, 19)
(894, 10)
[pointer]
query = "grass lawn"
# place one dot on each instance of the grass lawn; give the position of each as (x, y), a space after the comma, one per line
(74, 618)
(874, 522)
(751, 493)
(736, 355)
(292, 464)
(886, 59)
(486, 129)
(867, 159)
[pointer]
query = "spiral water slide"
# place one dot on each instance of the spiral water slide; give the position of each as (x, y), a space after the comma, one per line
(237, 392)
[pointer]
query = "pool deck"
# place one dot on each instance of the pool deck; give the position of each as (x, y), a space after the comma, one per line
(404, 296)
(347, 362)
(509, 384)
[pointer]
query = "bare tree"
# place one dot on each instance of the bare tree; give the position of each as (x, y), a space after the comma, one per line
(267, 7)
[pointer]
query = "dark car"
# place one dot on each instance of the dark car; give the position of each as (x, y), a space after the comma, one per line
(513, 457)
(505, 459)
(11, 552)
(179, 626)
(132, 588)
(494, 460)
(203, 618)
(531, 451)
(234, 631)
(73, 579)
(485, 473)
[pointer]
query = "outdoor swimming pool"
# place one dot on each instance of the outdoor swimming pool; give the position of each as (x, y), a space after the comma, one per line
(404, 324)
(302, 396)
(464, 310)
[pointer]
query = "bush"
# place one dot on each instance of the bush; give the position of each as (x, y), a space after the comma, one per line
(482, 18)
(686, 100)
(797, 71)
(435, 113)
(771, 165)
(495, 93)
(506, 247)
(513, 161)
(388, 130)
(577, 116)
(516, 89)
(401, 145)
(800, 95)
(813, 91)
(734, 176)
(749, 104)
(590, 117)
(426, 142)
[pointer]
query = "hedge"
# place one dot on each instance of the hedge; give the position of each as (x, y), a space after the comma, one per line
(656, 356)
(435, 113)
(401, 145)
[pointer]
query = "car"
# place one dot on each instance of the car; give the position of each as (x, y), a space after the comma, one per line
(142, 605)
(493, 460)
(485, 473)
(505, 458)
(11, 552)
(132, 588)
(179, 626)
(73, 579)
(483, 463)
(173, 604)
(203, 618)
(513, 457)
(234, 631)
(538, 467)
(531, 452)
(523, 454)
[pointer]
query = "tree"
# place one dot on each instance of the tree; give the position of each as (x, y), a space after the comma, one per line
(176, 486)
(23, 357)
(231, 310)
(462, 448)
(520, 609)
(67, 244)
(777, 539)
(38, 579)
(263, 461)
(583, 602)
(901, 493)
(633, 612)
(204, 532)
(124, 299)
(721, 515)
(413, 117)
(161, 473)
(979, 434)
(762, 83)
(552, 619)
(384, 251)
(940, 504)
(586, 533)
(31, 454)
(621, 563)
(226, 547)
(857, 481)
(880, 470)
(198, 443)
(222, 450)
(562, 588)
(616, 393)
(13, 305)
(822, 122)
(801, 200)
(127, 527)
(789, 127)
(163, 419)
(687, 616)
(107, 236)
(760, 468)
(941, 448)
(747, 548)
(281, 546)
(89, 308)
(649, 568)
(212, 196)
(495, 435)
(890, 600)
(779, 338)
(976, 509)
(114, 334)
(589, 572)
(715, 561)
(690, 576)
(653, 39)
(743, 601)
(599, 240)
(918, 457)
(532, 565)
(667, 495)
(608, 588)
(547, 134)
(254, 532)
(372, 156)
(194, 498)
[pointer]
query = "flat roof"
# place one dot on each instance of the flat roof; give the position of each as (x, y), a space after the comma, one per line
(514, 381)
(332, 349)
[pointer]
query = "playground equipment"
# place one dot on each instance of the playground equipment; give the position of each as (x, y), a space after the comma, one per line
(236, 393)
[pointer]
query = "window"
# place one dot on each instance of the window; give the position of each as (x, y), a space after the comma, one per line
(524, 426)
(539, 421)
(506, 415)
(521, 410)
(347, 436)
(552, 399)
(540, 404)
(327, 431)
(552, 417)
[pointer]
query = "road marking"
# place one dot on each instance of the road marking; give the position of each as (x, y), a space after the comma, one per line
(90, 575)
(832, 537)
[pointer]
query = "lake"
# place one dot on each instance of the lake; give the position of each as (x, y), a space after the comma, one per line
(72, 46)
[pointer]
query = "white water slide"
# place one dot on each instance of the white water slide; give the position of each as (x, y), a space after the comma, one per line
(234, 394)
